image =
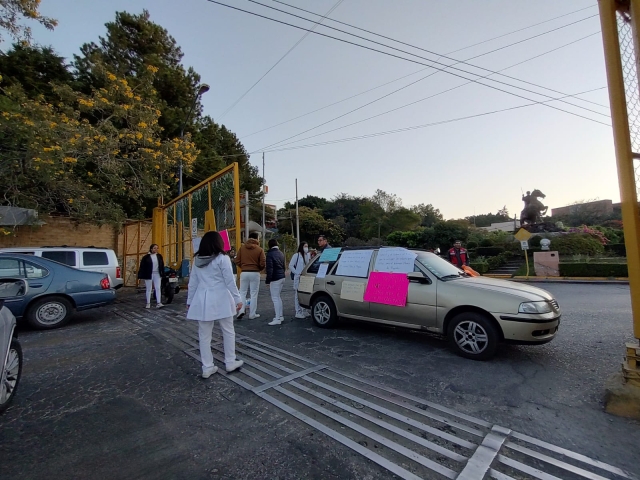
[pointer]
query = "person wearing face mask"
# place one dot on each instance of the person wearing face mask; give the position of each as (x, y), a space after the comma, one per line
(296, 265)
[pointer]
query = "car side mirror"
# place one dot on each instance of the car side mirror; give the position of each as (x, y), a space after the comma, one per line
(418, 277)
(13, 287)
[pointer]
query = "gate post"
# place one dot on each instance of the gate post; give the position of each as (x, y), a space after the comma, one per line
(157, 226)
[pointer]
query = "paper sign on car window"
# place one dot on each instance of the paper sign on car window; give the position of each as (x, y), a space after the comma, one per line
(354, 263)
(322, 271)
(387, 288)
(330, 254)
(395, 260)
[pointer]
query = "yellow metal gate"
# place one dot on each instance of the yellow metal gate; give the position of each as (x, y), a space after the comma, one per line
(136, 243)
(213, 204)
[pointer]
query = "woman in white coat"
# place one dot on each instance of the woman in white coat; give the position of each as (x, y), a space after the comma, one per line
(213, 295)
(296, 265)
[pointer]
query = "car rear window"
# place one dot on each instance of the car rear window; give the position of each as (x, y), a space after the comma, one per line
(61, 256)
(11, 267)
(91, 259)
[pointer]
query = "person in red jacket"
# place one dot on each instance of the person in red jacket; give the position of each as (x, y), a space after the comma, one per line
(458, 255)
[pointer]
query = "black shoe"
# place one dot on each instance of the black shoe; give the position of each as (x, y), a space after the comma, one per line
(240, 315)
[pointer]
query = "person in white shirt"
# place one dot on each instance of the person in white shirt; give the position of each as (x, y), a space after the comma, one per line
(151, 271)
(296, 265)
(212, 296)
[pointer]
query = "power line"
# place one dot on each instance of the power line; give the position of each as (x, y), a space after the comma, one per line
(416, 127)
(423, 69)
(456, 62)
(411, 103)
(420, 63)
(337, 4)
(439, 55)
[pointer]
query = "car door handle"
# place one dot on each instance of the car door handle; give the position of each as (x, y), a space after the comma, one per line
(331, 282)
(35, 285)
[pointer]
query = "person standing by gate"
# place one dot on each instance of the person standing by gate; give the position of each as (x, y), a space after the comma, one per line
(212, 296)
(151, 271)
(275, 279)
(251, 260)
(296, 265)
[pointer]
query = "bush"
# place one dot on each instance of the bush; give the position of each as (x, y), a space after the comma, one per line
(577, 244)
(487, 242)
(535, 241)
(497, 261)
(618, 249)
(471, 245)
(489, 251)
(593, 270)
(480, 267)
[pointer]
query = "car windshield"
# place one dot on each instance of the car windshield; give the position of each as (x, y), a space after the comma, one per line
(439, 267)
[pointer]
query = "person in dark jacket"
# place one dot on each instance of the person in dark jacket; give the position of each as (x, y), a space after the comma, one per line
(151, 271)
(275, 279)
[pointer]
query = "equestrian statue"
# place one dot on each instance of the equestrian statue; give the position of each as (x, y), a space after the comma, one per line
(533, 208)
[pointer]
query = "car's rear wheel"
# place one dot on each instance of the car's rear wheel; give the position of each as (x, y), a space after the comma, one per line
(323, 311)
(10, 375)
(49, 312)
(472, 335)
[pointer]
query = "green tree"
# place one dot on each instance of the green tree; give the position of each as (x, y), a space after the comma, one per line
(312, 224)
(429, 214)
(35, 69)
(13, 11)
(54, 160)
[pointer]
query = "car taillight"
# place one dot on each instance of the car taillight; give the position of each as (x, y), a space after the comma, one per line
(118, 272)
(104, 283)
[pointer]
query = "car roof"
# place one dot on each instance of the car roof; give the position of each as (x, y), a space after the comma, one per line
(61, 247)
(377, 247)
(45, 261)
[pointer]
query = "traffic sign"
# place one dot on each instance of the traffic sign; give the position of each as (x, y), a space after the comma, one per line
(194, 227)
(524, 244)
(522, 235)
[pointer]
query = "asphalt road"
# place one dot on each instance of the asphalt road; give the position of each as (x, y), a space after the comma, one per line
(101, 398)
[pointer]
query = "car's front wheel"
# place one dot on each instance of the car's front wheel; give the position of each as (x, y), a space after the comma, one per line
(472, 335)
(10, 375)
(323, 311)
(49, 312)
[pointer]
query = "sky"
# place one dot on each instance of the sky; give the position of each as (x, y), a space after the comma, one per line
(462, 167)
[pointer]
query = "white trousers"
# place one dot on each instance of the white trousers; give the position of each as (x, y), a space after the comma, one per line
(156, 281)
(296, 283)
(249, 281)
(276, 289)
(205, 330)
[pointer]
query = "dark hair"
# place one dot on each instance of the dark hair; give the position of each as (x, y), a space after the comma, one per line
(211, 245)
(153, 245)
(253, 235)
(301, 247)
(322, 237)
(273, 243)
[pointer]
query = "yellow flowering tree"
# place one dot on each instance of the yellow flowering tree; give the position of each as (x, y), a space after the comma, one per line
(95, 157)
(13, 11)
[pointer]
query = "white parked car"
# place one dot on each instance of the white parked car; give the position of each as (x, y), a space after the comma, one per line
(90, 259)
(10, 353)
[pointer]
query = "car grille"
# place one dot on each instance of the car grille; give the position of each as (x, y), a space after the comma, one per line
(554, 304)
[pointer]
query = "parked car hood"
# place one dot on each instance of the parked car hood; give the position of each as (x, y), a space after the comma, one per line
(504, 286)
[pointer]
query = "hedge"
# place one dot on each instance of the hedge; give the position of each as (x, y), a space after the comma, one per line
(593, 270)
(497, 261)
(618, 249)
(489, 251)
(480, 267)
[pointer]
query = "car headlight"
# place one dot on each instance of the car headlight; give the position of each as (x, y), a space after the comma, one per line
(535, 307)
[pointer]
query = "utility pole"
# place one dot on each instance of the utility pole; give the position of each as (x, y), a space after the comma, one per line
(297, 216)
(264, 183)
(246, 215)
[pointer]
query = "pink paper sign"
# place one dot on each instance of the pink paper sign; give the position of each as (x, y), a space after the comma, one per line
(225, 238)
(387, 288)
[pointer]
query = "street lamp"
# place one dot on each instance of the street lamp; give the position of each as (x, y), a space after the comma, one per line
(204, 88)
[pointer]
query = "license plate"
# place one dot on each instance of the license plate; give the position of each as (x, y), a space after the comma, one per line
(173, 280)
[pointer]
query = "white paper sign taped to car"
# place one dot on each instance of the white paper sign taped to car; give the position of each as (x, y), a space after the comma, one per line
(306, 284)
(354, 263)
(395, 260)
(352, 291)
(322, 271)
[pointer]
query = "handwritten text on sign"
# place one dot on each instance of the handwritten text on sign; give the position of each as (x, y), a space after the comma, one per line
(396, 260)
(354, 263)
(352, 291)
(387, 288)
(306, 284)
(330, 254)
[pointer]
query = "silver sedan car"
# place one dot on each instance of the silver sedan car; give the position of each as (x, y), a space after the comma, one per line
(474, 313)
(10, 357)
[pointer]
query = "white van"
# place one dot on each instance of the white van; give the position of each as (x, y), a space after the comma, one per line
(92, 259)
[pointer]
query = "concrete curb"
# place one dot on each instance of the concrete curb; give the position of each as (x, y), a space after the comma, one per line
(592, 280)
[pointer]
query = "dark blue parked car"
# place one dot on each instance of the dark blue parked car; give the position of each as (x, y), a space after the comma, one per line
(51, 291)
